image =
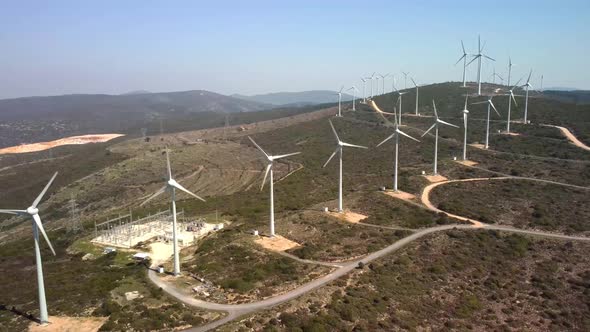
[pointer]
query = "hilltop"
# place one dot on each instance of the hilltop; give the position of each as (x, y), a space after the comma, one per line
(312, 97)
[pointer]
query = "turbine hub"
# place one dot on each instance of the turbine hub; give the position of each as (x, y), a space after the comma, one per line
(171, 182)
(465, 111)
(32, 210)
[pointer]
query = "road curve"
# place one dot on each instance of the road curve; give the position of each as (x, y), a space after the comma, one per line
(570, 136)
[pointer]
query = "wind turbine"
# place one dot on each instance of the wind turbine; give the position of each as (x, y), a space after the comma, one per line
(339, 93)
(416, 85)
(354, 89)
(396, 134)
(510, 99)
(437, 122)
(479, 56)
(171, 186)
(510, 64)
(271, 160)
(526, 101)
(399, 101)
(494, 75)
(541, 86)
(465, 115)
(33, 212)
(364, 94)
(490, 105)
(464, 58)
(338, 150)
(383, 81)
(372, 78)
(377, 85)
(405, 80)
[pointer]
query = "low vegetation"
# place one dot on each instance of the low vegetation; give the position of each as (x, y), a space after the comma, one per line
(519, 203)
(459, 280)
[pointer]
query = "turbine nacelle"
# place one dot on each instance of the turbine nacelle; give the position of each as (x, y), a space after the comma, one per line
(32, 210)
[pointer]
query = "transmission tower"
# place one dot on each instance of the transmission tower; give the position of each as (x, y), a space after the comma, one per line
(74, 225)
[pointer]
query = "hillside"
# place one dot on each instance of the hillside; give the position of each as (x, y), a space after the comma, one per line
(412, 288)
(34, 119)
(575, 96)
(312, 97)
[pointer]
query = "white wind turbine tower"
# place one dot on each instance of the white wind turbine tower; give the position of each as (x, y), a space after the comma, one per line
(354, 90)
(396, 133)
(510, 99)
(510, 64)
(526, 100)
(364, 94)
(372, 78)
(33, 212)
(377, 85)
(405, 79)
(417, 86)
(490, 105)
(465, 115)
(339, 93)
(383, 82)
(494, 75)
(270, 160)
(171, 186)
(399, 102)
(437, 122)
(479, 56)
(464, 58)
(338, 150)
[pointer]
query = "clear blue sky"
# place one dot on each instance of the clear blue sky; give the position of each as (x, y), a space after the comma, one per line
(59, 47)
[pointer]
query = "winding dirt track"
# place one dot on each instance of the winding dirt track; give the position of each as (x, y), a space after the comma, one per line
(570, 136)
(237, 310)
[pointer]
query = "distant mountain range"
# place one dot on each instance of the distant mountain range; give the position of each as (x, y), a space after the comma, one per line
(32, 119)
(302, 98)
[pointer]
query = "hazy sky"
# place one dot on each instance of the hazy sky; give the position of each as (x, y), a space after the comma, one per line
(60, 47)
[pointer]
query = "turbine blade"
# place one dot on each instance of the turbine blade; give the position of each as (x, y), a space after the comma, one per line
(334, 131)
(268, 167)
(480, 102)
(494, 107)
(461, 58)
(40, 197)
(429, 129)
(489, 57)
(42, 230)
(168, 164)
(156, 194)
(13, 211)
(180, 187)
(331, 156)
(258, 146)
(434, 106)
(385, 140)
(529, 79)
(284, 155)
(414, 82)
(465, 107)
(512, 95)
(353, 146)
(408, 136)
(446, 123)
(465, 120)
(474, 57)
(463, 47)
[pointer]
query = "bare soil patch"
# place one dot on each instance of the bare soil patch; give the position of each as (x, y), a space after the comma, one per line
(400, 194)
(74, 140)
(435, 178)
(467, 162)
(276, 243)
(70, 324)
(349, 216)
